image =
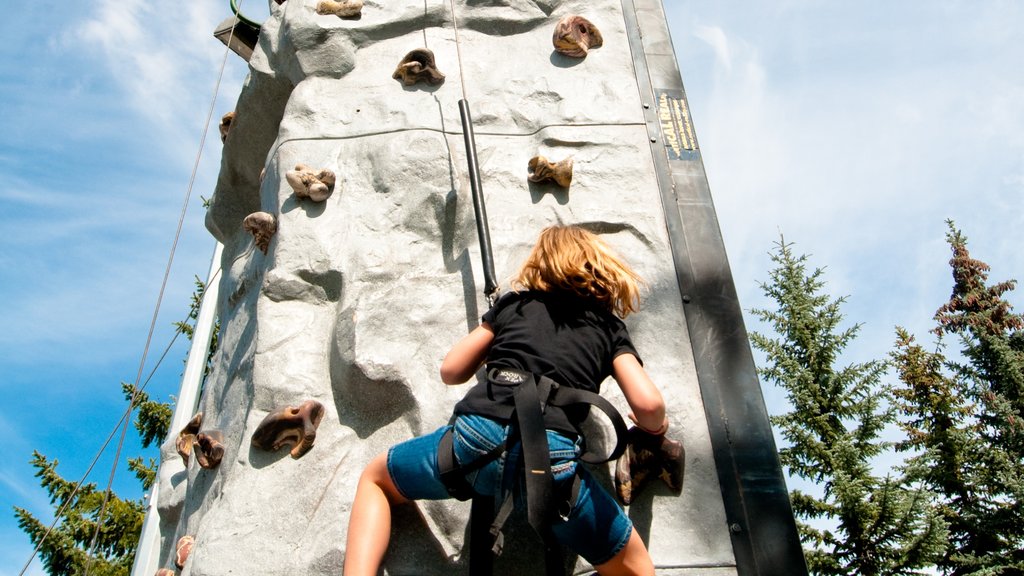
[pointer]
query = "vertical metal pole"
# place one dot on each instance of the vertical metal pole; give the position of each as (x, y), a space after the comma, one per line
(147, 554)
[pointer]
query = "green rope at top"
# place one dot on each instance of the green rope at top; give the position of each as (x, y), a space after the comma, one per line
(241, 17)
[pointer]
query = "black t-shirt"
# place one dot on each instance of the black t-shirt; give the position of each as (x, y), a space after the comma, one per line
(568, 339)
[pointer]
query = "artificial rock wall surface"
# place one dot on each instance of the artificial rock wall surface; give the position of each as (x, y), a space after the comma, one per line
(357, 298)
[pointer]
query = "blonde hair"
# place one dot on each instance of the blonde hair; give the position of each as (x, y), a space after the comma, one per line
(571, 259)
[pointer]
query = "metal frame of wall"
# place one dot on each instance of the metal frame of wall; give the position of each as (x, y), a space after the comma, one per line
(757, 507)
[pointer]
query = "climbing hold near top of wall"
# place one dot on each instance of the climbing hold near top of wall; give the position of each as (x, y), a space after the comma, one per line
(418, 66)
(343, 9)
(317, 186)
(575, 35)
(225, 125)
(263, 226)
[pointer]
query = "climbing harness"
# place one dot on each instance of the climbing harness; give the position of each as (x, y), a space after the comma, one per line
(535, 400)
(479, 208)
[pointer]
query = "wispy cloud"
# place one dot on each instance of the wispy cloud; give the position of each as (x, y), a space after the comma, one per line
(158, 58)
(856, 134)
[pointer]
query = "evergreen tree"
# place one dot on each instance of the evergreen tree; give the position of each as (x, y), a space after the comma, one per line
(68, 548)
(875, 525)
(963, 419)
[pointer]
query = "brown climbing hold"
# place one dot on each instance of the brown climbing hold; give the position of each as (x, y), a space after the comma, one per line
(209, 449)
(187, 436)
(263, 226)
(542, 170)
(183, 549)
(165, 572)
(343, 9)
(290, 425)
(317, 186)
(225, 125)
(575, 35)
(648, 456)
(418, 66)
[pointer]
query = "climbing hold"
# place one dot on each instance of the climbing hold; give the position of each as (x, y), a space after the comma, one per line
(343, 9)
(165, 572)
(290, 425)
(187, 436)
(183, 549)
(317, 186)
(648, 456)
(575, 35)
(225, 125)
(542, 169)
(418, 66)
(210, 449)
(263, 226)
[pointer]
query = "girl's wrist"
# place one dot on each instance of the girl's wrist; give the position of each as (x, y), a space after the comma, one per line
(659, 432)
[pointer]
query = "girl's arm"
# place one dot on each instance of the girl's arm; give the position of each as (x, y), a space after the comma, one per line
(641, 394)
(466, 357)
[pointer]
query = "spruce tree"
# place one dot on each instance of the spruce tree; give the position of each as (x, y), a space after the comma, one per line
(860, 523)
(68, 548)
(963, 419)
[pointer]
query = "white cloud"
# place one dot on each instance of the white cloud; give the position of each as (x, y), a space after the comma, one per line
(165, 63)
(714, 36)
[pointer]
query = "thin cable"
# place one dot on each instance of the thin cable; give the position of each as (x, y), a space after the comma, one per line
(458, 50)
(160, 297)
(102, 449)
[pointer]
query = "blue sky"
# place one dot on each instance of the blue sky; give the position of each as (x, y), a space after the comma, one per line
(854, 129)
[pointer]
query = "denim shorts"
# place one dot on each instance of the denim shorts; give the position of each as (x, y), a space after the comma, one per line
(596, 528)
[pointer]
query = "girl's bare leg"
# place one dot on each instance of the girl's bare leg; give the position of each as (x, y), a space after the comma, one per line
(369, 524)
(632, 560)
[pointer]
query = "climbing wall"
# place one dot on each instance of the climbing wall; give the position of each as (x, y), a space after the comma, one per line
(351, 264)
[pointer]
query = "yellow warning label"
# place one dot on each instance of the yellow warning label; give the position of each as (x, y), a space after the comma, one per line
(676, 128)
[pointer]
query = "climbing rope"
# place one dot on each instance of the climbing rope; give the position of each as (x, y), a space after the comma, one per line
(458, 49)
(163, 286)
(125, 420)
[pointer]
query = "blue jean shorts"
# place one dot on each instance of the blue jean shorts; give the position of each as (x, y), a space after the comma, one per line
(596, 528)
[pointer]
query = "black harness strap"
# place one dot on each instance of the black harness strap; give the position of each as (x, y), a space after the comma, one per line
(536, 456)
(453, 475)
(532, 396)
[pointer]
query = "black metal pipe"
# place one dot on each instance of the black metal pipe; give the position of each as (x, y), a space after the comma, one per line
(482, 230)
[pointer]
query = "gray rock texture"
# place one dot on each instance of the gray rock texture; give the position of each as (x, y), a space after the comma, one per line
(359, 297)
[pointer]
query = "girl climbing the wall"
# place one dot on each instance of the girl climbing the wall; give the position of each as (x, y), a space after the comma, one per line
(563, 324)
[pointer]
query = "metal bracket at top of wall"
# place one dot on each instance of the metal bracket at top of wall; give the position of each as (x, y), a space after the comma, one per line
(760, 518)
(238, 33)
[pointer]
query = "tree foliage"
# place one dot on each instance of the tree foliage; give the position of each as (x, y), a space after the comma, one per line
(69, 548)
(963, 419)
(876, 525)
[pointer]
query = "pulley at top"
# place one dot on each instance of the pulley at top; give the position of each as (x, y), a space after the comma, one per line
(238, 33)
